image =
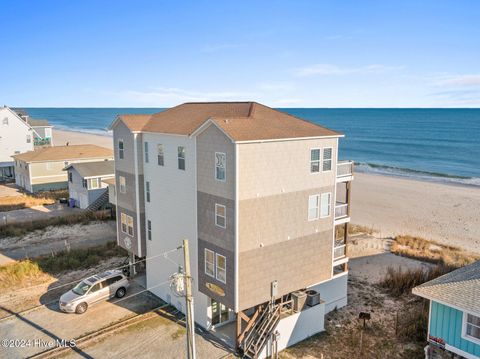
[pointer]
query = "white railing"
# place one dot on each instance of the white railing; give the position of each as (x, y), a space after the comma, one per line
(339, 251)
(344, 168)
(341, 210)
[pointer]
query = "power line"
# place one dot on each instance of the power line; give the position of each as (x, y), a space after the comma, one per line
(164, 254)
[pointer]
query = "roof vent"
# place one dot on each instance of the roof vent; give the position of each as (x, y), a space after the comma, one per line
(226, 120)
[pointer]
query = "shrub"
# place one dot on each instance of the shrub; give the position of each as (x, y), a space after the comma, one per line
(10, 203)
(399, 282)
(19, 229)
(430, 251)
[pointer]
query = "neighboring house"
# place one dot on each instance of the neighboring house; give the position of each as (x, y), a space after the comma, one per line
(255, 191)
(42, 135)
(85, 182)
(42, 169)
(16, 136)
(42, 130)
(454, 316)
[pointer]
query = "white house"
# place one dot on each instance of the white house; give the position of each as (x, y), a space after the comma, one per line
(16, 136)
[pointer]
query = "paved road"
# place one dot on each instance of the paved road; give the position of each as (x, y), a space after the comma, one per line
(47, 324)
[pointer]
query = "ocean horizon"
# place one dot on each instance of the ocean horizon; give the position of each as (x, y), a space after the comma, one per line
(440, 145)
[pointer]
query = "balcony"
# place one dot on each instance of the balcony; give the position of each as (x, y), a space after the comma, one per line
(41, 141)
(342, 214)
(344, 171)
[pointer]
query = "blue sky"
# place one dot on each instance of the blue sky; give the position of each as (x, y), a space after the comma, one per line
(281, 53)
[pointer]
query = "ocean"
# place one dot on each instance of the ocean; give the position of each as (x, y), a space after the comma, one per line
(441, 145)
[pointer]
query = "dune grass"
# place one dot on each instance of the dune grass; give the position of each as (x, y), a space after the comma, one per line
(399, 282)
(42, 268)
(431, 251)
(354, 229)
(20, 229)
(26, 200)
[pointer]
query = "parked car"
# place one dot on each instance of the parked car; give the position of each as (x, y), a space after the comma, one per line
(92, 290)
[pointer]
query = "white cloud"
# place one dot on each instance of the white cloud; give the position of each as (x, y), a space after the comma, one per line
(459, 80)
(334, 70)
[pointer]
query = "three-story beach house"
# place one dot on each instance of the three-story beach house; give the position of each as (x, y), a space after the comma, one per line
(255, 191)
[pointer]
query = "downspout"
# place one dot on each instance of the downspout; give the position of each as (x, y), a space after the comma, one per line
(137, 192)
(236, 264)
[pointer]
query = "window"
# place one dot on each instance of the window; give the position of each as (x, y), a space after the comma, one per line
(124, 222)
(49, 166)
(5, 121)
(130, 225)
(96, 288)
(471, 327)
(149, 230)
(123, 186)
(70, 177)
(313, 207)
(29, 139)
(65, 164)
(93, 183)
(160, 155)
(220, 216)
(181, 158)
(84, 183)
(325, 205)
(327, 159)
(147, 190)
(221, 268)
(120, 149)
(145, 145)
(48, 132)
(209, 263)
(220, 165)
(315, 160)
(112, 280)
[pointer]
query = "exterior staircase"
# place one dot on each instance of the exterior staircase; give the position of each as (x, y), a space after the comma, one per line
(257, 337)
(99, 202)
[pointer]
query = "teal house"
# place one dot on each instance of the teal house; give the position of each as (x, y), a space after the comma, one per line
(454, 317)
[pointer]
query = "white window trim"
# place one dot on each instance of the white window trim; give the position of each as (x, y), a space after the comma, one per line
(184, 158)
(133, 226)
(146, 152)
(225, 169)
(224, 269)
(123, 149)
(319, 160)
(322, 157)
(163, 154)
(120, 184)
(205, 264)
(148, 193)
(218, 215)
(89, 183)
(318, 207)
(149, 229)
(329, 205)
(464, 329)
(122, 217)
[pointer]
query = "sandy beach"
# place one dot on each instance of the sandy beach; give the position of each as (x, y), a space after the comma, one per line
(60, 138)
(449, 214)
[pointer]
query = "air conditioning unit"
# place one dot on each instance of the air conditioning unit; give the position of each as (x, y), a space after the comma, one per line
(313, 298)
(299, 300)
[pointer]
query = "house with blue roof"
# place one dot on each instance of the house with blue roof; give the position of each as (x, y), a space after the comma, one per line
(454, 315)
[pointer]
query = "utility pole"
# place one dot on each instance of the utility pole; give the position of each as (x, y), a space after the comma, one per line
(189, 304)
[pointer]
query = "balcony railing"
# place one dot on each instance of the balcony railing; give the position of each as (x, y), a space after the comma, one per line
(339, 251)
(341, 210)
(344, 168)
(41, 141)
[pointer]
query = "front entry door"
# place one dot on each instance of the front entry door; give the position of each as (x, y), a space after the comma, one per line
(219, 313)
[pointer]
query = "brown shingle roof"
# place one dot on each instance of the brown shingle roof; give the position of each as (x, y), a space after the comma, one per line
(60, 153)
(134, 122)
(94, 169)
(242, 121)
